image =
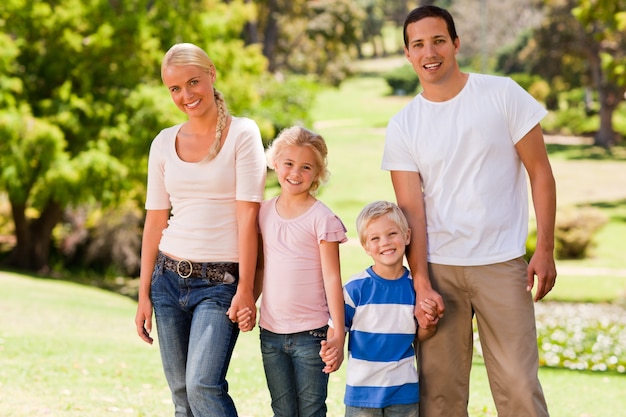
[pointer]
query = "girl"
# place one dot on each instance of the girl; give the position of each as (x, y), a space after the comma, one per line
(301, 278)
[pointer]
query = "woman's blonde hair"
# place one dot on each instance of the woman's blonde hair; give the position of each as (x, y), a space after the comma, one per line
(299, 136)
(375, 210)
(182, 54)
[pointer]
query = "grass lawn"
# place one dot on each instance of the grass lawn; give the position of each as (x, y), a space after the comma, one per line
(71, 350)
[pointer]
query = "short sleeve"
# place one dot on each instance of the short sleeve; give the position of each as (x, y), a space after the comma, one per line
(332, 229)
(250, 162)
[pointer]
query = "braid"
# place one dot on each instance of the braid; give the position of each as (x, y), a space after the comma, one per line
(222, 118)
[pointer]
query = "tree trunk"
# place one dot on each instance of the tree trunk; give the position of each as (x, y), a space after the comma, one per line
(270, 36)
(609, 95)
(250, 34)
(605, 136)
(34, 237)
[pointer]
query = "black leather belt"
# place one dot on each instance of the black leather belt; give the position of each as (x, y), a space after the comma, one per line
(213, 271)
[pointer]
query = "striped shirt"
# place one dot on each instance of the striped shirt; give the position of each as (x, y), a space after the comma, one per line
(381, 359)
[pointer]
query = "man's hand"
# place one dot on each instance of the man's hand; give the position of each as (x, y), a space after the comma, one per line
(541, 265)
(428, 297)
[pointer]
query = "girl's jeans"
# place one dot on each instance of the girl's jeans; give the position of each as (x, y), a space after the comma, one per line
(293, 368)
(196, 340)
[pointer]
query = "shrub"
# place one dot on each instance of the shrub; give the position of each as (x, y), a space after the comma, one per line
(104, 242)
(574, 231)
(285, 102)
(402, 80)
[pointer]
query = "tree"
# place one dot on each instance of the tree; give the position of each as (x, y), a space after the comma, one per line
(604, 24)
(372, 26)
(79, 106)
(487, 26)
(581, 44)
(310, 37)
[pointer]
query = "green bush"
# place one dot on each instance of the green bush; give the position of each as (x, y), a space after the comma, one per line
(574, 231)
(402, 80)
(285, 102)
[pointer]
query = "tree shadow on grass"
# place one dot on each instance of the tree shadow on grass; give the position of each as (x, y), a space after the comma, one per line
(586, 152)
(617, 209)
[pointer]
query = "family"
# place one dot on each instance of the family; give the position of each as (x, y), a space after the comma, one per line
(460, 155)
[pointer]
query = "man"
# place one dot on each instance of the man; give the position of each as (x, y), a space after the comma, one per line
(458, 156)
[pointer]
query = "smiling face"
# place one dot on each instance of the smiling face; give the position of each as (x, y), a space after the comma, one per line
(431, 51)
(191, 88)
(385, 242)
(296, 168)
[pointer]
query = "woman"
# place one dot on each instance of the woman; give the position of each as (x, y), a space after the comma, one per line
(206, 178)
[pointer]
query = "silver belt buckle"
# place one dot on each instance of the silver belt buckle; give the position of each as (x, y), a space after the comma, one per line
(178, 268)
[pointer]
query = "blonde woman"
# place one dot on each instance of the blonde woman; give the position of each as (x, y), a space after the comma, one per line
(206, 178)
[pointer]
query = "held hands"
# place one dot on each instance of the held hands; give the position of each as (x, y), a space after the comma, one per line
(429, 308)
(245, 319)
(243, 311)
(331, 353)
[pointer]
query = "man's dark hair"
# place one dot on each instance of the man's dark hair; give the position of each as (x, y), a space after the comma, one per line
(423, 12)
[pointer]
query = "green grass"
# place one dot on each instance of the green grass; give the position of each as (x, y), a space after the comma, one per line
(71, 350)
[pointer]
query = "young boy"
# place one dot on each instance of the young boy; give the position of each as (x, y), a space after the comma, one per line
(379, 316)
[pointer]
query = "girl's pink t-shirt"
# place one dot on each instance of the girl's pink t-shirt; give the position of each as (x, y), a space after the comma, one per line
(293, 298)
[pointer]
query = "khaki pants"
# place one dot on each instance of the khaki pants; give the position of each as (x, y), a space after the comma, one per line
(504, 311)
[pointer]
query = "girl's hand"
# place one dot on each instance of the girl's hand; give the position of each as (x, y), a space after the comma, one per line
(332, 354)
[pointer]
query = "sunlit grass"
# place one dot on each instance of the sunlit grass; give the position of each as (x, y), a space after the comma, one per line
(71, 350)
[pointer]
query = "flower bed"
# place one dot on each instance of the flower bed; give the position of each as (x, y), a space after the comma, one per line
(579, 336)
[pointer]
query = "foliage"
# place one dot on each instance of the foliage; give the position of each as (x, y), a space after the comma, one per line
(486, 27)
(534, 84)
(306, 37)
(286, 102)
(591, 53)
(81, 99)
(106, 242)
(575, 229)
(402, 80)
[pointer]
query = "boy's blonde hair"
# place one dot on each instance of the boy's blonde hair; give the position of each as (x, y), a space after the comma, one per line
(299, 136)
(182, 54)
(375, 210)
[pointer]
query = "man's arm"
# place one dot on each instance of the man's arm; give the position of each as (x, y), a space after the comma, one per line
(408, 189)
(532, 151)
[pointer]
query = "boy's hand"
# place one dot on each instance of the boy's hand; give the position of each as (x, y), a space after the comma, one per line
(429, 307)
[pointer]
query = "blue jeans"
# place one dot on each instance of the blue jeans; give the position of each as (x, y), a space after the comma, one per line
(395, 410)
(293, 369)
(196, 340)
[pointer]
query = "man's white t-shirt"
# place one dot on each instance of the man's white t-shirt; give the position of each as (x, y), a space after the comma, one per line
(474, 183)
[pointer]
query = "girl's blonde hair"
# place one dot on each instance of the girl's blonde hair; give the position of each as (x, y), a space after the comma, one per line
(182, 54)
(375, 210)
(299, 136)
